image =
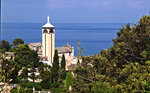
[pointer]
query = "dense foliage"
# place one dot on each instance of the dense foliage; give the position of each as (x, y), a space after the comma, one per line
(33, 65)
(124, 67)
(16, 69)
(17, 41)
(63, 68)
(4, 46)
(24, 68)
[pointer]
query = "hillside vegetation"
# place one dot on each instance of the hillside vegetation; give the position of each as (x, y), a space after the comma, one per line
(124, 67)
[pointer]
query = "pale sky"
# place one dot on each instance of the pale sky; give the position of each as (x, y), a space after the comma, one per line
(74, 11)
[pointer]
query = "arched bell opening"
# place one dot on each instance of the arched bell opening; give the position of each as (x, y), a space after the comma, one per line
(45, 31)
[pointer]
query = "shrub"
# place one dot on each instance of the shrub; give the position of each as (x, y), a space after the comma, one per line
(13, 90)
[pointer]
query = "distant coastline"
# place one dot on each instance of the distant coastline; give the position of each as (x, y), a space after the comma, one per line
(93, 36)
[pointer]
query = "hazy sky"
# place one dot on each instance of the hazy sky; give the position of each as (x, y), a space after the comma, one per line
(73, 11)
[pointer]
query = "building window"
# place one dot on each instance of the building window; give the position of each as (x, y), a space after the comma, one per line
(51, 31)
(45, 31)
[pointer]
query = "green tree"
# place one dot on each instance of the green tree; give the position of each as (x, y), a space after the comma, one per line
(4, 46)
(46, 80)
(23, 57)
(26, 61)
(45, 75)
(55, 68)
(69, 80)
(17, 41)
(33, 65)
(63, 68)
(124, 67)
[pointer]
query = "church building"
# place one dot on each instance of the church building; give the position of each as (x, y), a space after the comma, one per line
(47, 48)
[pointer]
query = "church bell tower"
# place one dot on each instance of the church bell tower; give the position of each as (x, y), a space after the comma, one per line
(48, 40)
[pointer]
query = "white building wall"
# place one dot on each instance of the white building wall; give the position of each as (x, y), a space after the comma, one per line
(43, 43)
(48, 43)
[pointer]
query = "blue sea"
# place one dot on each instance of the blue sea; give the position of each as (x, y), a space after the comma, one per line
(93, 36)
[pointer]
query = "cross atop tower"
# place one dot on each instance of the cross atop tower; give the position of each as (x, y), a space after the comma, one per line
(48, 19)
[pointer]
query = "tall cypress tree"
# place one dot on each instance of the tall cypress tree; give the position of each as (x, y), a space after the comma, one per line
(63, 69)
(55, 68)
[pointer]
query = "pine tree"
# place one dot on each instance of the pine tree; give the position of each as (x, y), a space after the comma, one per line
(63, 69)
(17, 41)
(55, 68)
